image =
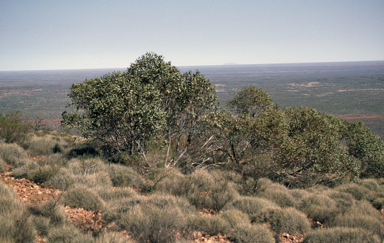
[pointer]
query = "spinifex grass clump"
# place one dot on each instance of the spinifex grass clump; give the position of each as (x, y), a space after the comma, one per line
(340, 234)
(157, 218)
(82, 197)
(13, 154)
(68, 233)
(279, 194)
(319, 207)
(343, 200)
(16, 223)
(379, 203)
(123, 176)
(357, 191)
(108, 194)
(251, 234)
(250, 205)
(213, 225)
(283, 220)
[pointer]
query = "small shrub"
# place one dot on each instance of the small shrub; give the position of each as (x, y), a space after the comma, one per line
(370, 184)
(68, 233)
(62, 180)
(52, 211)
(319, 207)
(113, 237)
(13, 129)
(251, 233)
(118, 193)
(86, 165)
(13, 154)
(379, 203)
(82, 197)
(22, 172)
(298, 194)
(343, 200)
(366, 222)
(3, 168)
(357, 191)
(41, 146)
(283, 220)
(365, 208)
(17, 226)
(250, 205)
(339, 234)
(99, 179)
(212, 224)
(280, 195)
(235, 217)
(42, 225)
(123, 176)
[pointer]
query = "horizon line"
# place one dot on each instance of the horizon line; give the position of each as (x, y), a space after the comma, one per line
(212, 65)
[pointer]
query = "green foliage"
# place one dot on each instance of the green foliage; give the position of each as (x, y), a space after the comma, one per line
(124, 110)
(250, 205)
(279, 194)
(250, 101)
(287, 220)
(339, 234)
(366, 147)
(212, 224)
(13, 129)
(251, 234)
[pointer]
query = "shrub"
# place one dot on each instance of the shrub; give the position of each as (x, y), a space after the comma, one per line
(366, 222)
(62, 180)
(250, 205)
(82, 197)
(124, 176)
(86, 165)
(13, 154)
(68, 233)
(365, 208)
(99, 179)
(41, 146)
(339, 234)
(42, 225)
(212, 224)
(3, 168)
(52, 211)
(154, 219)
(343, 200)
(370, 184)
(112, 237)
(280, 195)
(118, 193)
(22, 172)
(251, 233)
(283, 220)
(379, 203)
(298, 194)
(235, 217)
(319, 207)
(357, 191)
(13, 129)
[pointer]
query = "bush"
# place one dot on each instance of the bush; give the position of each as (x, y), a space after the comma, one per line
(340, 235)
(68, 233)
(379, 203)
(366, 222)
(52, 211)
(118, 193)
(113, 237)
(63, 179)
(123, 176)
(156, 219)
(41, 145)
(235, 217)
(86, 165)
(99, 179)
(82, 197)
(280, 195)
(13, 129)
(211, 224)
(286, 220)
(370, 184)
(13, 154)
(250, 205)
(42, 225)
(343, 200)
(298, 194)
(251, 233)
(365, 208)
(319, 207)
(357, 191)
(3, 168)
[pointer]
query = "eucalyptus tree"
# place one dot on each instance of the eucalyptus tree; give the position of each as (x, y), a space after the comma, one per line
(123, 110)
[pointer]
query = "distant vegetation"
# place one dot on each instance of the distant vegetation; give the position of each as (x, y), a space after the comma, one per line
(261, 170)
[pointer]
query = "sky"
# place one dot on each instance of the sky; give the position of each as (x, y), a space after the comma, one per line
(85, 34)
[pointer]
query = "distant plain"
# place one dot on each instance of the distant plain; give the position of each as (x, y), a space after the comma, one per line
(351, 90)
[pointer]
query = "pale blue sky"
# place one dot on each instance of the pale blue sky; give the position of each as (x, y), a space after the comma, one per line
(81, 34)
